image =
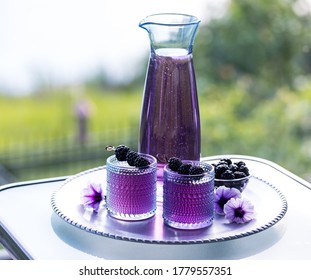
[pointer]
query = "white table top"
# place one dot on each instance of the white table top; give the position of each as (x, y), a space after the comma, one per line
(29, 228)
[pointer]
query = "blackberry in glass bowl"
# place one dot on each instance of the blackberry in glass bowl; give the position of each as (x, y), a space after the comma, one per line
(231, 174)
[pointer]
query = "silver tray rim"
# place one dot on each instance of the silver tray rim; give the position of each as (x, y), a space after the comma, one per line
(228, 237)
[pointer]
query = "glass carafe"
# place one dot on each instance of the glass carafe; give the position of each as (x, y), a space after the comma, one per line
(170, 119)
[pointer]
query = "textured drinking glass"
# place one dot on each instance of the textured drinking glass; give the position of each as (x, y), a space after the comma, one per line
(188, 200)
(170, 120)
(131, 191)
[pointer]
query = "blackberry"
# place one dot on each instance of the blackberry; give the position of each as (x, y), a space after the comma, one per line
(240, 163)
(220, 169)
(233, 167)
(121, 152)
(141, 162)
(244, 169)
(227, 169)
(227, 175)
(174, 163)
(239, 174)
(221, 162)
(196, 170)
(131, 157)
(184, 169)
(226, 160)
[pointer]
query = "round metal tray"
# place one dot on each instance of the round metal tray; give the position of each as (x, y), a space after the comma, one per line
(270, 207)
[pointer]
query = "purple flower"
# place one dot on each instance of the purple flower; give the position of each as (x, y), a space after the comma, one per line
(92, 196)
(222, 196)
(238, 210)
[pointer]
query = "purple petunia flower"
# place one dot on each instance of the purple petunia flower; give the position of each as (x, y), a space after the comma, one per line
(238, 210)
(92, 196)
(222, 196)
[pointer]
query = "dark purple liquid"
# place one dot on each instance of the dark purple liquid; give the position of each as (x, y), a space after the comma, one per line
(131, 194)
(188, 201)
(131, 191)
(170, 122)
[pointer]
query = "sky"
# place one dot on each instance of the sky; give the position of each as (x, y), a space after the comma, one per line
(66, 41)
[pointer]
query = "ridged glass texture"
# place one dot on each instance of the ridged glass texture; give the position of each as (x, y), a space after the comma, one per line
(170, 119)
(131, 191)
(188, 200)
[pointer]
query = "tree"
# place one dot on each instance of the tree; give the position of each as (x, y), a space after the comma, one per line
(258, 43)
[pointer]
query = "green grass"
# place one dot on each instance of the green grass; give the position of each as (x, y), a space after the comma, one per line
(52, 115)
(44, 122)
(232, 122)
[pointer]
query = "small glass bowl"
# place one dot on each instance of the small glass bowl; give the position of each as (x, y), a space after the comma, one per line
(239, 183)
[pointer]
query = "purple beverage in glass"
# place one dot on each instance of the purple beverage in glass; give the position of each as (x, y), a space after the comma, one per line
(170, 120)
(131, 191)
(188, 200)
(170, 123)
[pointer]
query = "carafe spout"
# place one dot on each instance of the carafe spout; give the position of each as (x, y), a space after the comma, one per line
(171, 30)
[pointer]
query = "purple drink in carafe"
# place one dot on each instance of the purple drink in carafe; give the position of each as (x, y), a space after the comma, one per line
(170, 121)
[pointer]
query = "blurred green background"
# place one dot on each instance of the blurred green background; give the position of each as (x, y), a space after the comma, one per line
(253, 73)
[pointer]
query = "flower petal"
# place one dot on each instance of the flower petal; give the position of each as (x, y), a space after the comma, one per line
(96, 187)
(222, 196)
(238, 210)
(92, 196)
